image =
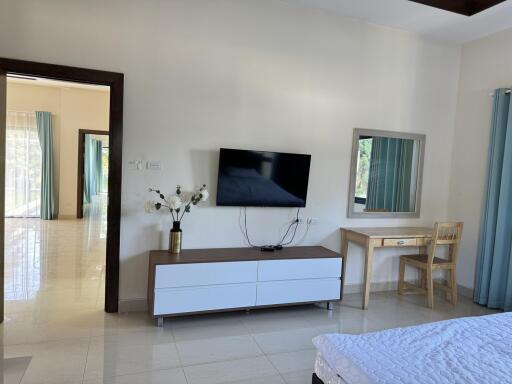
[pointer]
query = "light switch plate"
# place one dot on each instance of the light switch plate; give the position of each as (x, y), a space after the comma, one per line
(153, 165)
(135, 165)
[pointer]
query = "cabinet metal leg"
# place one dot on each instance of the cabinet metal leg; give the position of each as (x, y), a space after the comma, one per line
(160, 322)
(328, 305)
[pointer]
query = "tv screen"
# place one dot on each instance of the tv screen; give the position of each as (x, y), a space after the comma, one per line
(262, 179)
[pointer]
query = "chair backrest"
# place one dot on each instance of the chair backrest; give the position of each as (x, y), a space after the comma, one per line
(448, 233)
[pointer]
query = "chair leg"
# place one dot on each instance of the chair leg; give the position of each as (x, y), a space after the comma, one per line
(453, 283)
(423, 278)
(430, 288)
(449, 285)
(401, 278)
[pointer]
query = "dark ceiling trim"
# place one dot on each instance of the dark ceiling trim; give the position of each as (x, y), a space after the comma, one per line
(463, 7)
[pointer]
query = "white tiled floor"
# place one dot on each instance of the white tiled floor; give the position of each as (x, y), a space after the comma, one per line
(55, 321)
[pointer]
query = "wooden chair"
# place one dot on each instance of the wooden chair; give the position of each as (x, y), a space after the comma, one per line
(444, 234)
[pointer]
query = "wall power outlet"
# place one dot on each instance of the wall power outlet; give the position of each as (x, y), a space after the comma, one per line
(309, 220)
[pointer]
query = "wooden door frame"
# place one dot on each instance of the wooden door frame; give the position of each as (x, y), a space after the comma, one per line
(3, 123)
(80, 172)
(88, 76)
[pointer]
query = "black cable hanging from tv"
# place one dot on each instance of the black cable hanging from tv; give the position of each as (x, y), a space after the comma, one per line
(246, 230)
(282, 243)
(296, 223)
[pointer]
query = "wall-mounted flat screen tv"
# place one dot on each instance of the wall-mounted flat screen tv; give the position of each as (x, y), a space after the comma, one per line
(262, 179)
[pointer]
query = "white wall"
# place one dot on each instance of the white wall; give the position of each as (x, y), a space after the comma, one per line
(248, 74)
(486, 65)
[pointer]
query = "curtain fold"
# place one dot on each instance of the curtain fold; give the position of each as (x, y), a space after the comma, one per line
(45, 134)
(493, 286)
(389, 178)
(87, 169)
(98, 166)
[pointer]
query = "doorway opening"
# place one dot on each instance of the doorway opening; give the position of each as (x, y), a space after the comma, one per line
(25, 183)
(92, 181)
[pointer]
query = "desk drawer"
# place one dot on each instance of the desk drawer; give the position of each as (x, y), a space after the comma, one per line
(187, 275)
(406, 242)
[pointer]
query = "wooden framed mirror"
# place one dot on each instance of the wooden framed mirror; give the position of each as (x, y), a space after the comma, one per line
(386, 174)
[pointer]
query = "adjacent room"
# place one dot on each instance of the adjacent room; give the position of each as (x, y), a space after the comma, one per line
(256, 191)
(56, 191)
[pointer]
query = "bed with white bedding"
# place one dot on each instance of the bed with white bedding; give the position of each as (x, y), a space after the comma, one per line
(470, 350)
(325, 373)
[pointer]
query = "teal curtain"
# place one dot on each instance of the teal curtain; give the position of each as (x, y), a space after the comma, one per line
(389, 178)
(93, 169)
(493, 286)
(88, 179)
(45, 134)
(98, 174)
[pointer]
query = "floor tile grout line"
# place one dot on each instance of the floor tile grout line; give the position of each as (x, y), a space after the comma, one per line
(184, 375)
(247, 357)
(86, 360)
(257, 344)
(137, 373)
(277, 370)
(22, 376)
(223, 361)
(292, 351)
(51, 341)
(178, 353)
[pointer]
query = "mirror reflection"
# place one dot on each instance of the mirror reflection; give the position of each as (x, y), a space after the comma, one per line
(386, 174)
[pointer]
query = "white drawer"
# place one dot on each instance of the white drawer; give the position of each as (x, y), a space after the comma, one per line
(271, 270)
(297, 291)
(188, 275)
(197, 299)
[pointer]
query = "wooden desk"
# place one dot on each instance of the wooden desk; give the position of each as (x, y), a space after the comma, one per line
(371, 238)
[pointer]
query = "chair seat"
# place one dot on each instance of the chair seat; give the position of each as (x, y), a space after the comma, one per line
(422, 260)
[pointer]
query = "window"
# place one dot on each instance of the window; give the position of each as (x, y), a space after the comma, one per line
(363, 169)
(23, 166)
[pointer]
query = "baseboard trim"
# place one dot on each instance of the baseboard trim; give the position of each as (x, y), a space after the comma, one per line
(141, 305)
(465, 291)
(66, 217)
(133, 305)
(393, 286)
(375, 287)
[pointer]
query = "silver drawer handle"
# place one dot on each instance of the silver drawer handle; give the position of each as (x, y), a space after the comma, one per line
(400, 242)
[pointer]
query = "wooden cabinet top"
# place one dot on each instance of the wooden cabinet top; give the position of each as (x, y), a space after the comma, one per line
(216, 255)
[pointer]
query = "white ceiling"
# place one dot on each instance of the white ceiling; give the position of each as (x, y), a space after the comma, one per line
(414, 17)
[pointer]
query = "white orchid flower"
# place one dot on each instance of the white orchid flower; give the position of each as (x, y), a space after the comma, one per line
(149, 206)
(174, 202)
(204, 194)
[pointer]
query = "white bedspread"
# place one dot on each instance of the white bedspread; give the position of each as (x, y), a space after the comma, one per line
(468, 350)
